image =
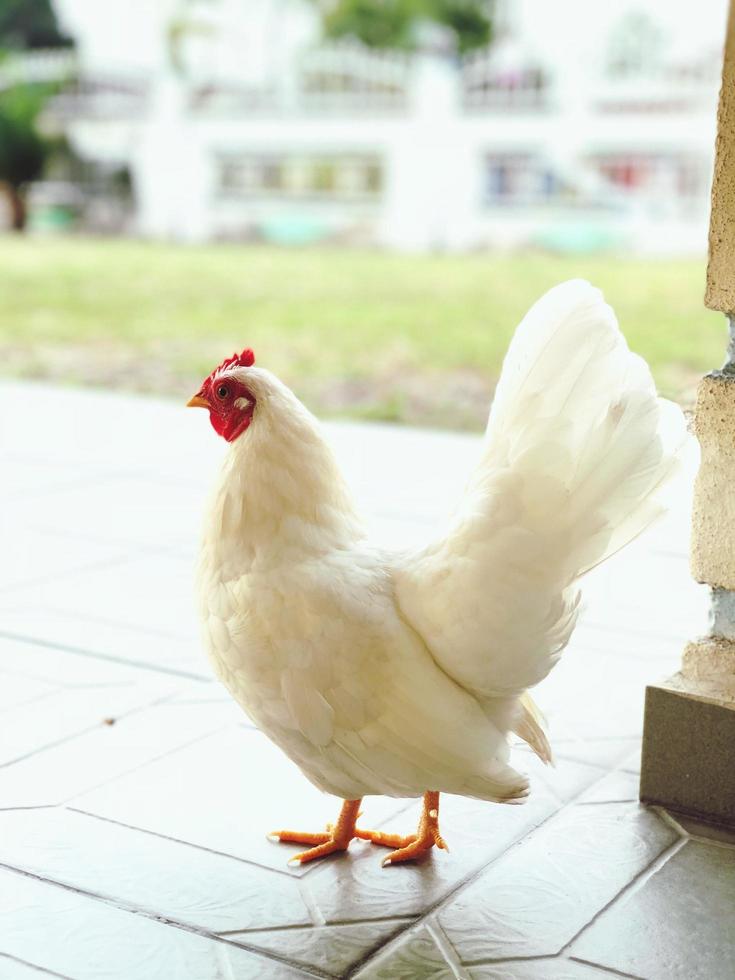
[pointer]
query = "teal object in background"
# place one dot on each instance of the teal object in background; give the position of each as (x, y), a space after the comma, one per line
(294, 229)
(580, 236)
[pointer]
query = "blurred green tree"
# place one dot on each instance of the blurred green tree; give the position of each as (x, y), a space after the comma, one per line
(23, 148)
(24, 25)
(29, 24)
(395, 23)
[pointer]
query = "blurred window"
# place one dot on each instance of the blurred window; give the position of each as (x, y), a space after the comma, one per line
(520, 179)
(292, 176)
(679, 175)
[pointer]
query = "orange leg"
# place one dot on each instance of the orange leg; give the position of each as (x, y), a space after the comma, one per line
(337, 837)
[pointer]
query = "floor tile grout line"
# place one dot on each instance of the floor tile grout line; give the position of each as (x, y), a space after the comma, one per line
(34, 966)
(642, 633)
(165, 920)
(95, 655)
(39, 806)
(606, 802)
(592, 738)
(310, 903)
(609, 970)
(527, 958)
(446, 948)
(634, 885)
(289, 875)
(561, 957)
(408, 917)
(671, 820)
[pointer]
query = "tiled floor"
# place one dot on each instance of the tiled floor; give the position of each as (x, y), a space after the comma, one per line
(135, 797)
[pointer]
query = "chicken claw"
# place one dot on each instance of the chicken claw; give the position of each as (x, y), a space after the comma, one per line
(336, 838)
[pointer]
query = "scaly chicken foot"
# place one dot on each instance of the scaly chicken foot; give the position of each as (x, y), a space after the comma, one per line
(337, 837)
(426, 837)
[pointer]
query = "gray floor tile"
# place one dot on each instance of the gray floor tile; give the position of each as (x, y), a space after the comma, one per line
(334, 949)
(564, 780)
(677, 926)
(17, 690)
(226, 793)
(615, 787)
(128, 593)
(598, 695)
(89, 431)
(416, 958)
(605, 753)
(62, 555)
(538, 896)
(124, 512)
(26, 728)
(65, 771)
(632, 762)
(27, 475)
(61, 930)
(146, 872)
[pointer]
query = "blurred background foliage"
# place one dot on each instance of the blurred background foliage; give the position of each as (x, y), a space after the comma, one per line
(417, 339)
(24, 149)
(399, 23)
(28, 24)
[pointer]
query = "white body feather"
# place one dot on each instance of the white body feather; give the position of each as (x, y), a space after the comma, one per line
(395, 674)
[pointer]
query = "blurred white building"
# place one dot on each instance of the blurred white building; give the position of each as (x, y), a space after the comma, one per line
(582, 126)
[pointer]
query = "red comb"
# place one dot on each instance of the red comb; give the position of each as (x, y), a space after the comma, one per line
(246, 359)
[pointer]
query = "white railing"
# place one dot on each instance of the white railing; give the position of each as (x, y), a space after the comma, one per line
(349, 75)
(32, 67)
(99, 96)
(343, 77)
(656, 95)
(488, 85)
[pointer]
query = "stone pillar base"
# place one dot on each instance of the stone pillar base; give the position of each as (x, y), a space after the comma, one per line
(688, 762)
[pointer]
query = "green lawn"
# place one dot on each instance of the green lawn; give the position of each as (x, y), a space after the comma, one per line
(413, 338)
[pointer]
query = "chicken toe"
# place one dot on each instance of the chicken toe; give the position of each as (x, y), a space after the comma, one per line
(336, 838)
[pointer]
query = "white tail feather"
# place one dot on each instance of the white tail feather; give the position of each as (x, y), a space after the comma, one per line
(576, 455)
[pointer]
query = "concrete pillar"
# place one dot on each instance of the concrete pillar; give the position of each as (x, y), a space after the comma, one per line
(433, 175)
(173, 172)
(688, 762)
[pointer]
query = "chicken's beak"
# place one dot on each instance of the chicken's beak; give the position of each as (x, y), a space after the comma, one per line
(197, 402)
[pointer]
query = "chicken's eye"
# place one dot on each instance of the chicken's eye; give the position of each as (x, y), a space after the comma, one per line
(223, 392)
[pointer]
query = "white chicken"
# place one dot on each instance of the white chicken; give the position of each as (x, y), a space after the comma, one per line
(403, 674)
